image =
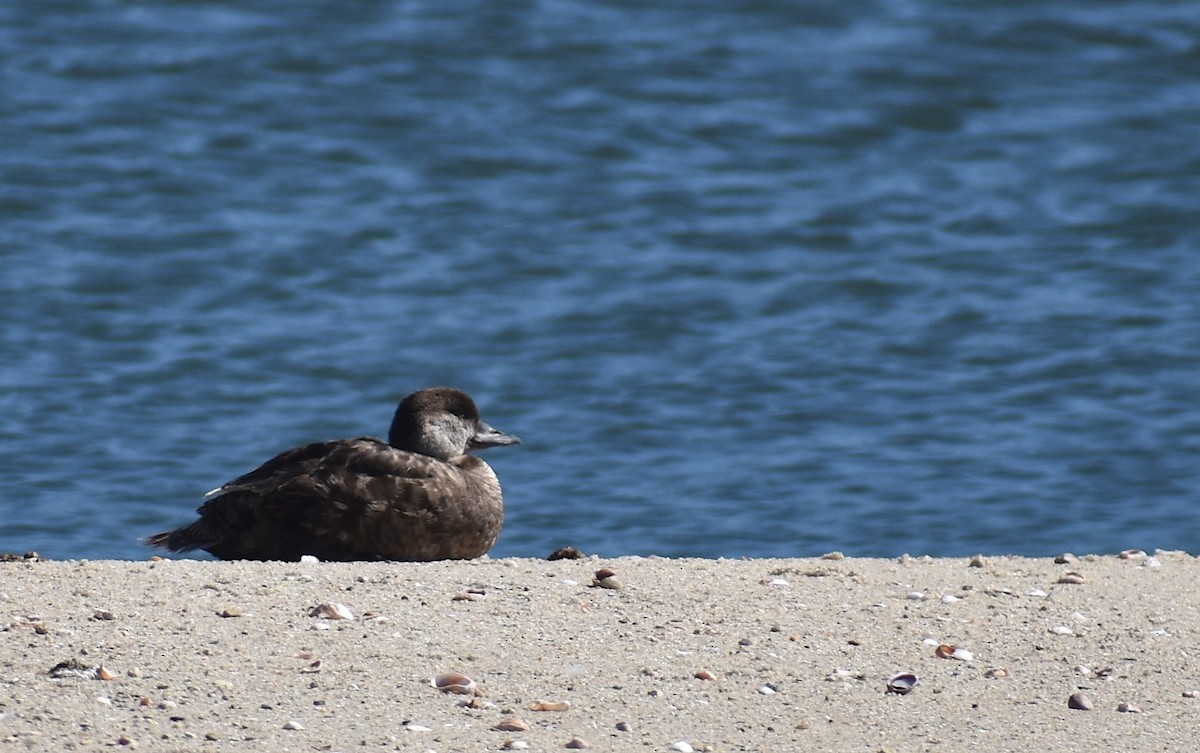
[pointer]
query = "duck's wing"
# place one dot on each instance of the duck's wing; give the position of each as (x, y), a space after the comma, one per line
(350, 499)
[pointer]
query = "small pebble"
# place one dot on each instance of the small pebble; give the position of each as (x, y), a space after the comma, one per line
(1128, 708)
(1080, 702)
(1133, 554)
(768, 690)
(1191, 693)
(916, 596)
(103, 614)
(950, 599)
(681, 746)
(704, 674)
(977, 561)
(1066, 558)
(624, 726)
(1072, 578)
(512, 724)
(996, 673)
(1062, 630)
(540, 705)
(230, 612)
(565, 553)
(833, 556)
(308, 559)
(293, 725)
(514, 745)
(1151, 562)
(577, 743)
(125, 740)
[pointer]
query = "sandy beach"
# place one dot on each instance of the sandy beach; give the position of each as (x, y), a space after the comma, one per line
(705, 655)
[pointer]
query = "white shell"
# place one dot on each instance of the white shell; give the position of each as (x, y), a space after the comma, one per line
(453, 682)
(331, 610)
(901, 683)
(682, 746)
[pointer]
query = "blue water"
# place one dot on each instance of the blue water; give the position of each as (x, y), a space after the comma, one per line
(748, 278)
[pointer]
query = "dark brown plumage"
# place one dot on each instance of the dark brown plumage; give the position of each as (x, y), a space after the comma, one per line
(418, 496)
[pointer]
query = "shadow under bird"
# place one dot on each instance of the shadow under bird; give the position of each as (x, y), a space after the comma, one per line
(419, 496)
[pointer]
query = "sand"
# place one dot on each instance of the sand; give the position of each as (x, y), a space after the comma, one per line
(225, 655)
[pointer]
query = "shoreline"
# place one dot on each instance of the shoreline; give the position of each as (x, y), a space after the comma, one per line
(720, 655)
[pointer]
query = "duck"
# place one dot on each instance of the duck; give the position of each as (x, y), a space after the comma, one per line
(419, 496)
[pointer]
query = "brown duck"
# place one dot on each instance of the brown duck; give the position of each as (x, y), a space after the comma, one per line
(418, 496)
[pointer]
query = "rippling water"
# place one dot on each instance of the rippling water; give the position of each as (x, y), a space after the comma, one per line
(749, 278)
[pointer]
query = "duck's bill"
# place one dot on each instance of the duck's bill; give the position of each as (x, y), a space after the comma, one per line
(486, 436)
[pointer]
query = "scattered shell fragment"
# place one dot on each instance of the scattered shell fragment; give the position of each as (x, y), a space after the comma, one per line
(1062, 630)
(704, 674)
(1133, 554)
(1128, 708)
(540, 705)
(946, 651)
(104, 673)
(577, 743)
(512, 724)
(454, 682)
(73, 668)
(916, 596)
(308, 559)
(292, 724)
(1066, 558)
(768, 689)
(1080, 702)
(514, 745)
(901, 683)
(1191, 694)
(606, 578)
(230, 612)
(949, 599)
(1151, 562)
(681, 746)
(996, 673)
(331, 610)
(1072, 578)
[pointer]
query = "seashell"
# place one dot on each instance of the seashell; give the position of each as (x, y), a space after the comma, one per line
(611, 583)
(996, 673)
(577, 743)
(1080, 702)
(1133, 554)
(1066, 558)
(833, 556)
(603, 573)
(104, 673)
(902, 683)
(768, 689)
(308, 559)
(331, 610)
(514, 745)
(916, 596)
(704, 674)
(292, 724)
(453, 682)
(512, 724)
(1151, 562)
(230, 612)
(946, 651)
(681, 746)
(949, 599)
(540, 705)
(1128, 708)
(1072, 577)
(1191, 694)
(1062, 630)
